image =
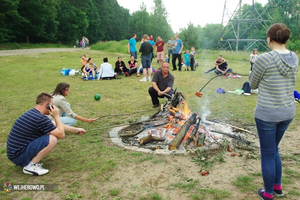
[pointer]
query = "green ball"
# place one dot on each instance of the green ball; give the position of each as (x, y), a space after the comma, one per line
(97, 97)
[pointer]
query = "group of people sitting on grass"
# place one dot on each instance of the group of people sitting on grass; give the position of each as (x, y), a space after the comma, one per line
(90, 71)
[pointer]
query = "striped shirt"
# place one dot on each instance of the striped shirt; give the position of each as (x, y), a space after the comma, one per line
(274, 74)
(27, 128)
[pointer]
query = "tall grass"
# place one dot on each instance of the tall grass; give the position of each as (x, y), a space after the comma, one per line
(111, 46)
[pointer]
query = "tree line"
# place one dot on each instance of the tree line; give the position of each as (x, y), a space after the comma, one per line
(64, 21)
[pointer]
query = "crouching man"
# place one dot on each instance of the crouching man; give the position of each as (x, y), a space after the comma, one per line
(162, 84)
(33, 135)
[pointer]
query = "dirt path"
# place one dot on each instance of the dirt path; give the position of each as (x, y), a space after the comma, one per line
(35, 51)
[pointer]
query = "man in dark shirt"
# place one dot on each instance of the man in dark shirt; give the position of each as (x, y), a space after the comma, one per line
(162, 83)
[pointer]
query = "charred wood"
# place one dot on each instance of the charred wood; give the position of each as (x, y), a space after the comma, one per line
(180, 135)
(149, 138)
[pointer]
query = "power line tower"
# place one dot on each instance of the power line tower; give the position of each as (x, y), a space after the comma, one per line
(238, 29)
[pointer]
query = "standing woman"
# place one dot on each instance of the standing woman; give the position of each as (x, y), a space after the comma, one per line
(274, 73)
(67, 116)
(146, 49)
(252, 58)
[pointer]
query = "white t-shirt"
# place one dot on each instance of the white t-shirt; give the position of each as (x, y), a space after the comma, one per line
(106, 70)
(253, 57)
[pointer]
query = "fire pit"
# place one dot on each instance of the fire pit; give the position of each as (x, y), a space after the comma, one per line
(174, 129)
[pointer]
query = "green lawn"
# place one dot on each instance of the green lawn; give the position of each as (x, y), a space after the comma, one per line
(80, 162)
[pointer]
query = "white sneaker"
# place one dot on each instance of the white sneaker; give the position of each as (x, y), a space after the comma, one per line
(143, 79)
(149, 78)
(35, 169)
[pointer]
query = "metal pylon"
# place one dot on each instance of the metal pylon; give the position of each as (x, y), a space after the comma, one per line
(238, 29)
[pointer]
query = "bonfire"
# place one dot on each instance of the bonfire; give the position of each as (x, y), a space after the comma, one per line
(175, 128)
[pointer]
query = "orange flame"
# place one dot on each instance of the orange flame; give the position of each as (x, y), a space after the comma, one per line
(186, 112)
(188, 133)
(176, 130)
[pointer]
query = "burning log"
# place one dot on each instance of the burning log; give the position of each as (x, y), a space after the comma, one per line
(149, 138)
(180, 135)
(192, 137)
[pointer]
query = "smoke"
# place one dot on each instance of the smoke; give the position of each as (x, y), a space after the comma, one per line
(204, 107)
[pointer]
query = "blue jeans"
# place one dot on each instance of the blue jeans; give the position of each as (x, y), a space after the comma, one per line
(219, 73)
(67, 120)
(146, 62)
(133, 53)
(83, 45)
(270, 134)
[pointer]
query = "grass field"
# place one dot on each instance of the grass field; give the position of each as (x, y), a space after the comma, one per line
(82, 166)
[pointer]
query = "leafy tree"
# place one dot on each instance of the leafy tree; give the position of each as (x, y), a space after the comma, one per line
(38, 20)
(73, 22)
(9, 18)
(158, 21)
(189, 36)
(140, 21)
(93, 30)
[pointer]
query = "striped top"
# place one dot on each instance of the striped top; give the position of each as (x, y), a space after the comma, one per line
(274, 74)
(27, 128)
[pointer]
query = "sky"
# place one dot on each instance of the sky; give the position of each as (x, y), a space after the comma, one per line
(198, 12)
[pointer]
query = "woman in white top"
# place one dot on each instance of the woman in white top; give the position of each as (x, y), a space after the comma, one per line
(67, 116)
(253, 57)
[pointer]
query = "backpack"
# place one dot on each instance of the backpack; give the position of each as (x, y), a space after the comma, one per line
(246, 87)
(296, 95)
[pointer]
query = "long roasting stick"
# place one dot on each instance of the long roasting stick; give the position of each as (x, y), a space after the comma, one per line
(238, 128)
(199, 94)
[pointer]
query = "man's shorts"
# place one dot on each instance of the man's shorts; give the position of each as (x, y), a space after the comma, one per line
(160, 55)
(32, 149)
(133, 53)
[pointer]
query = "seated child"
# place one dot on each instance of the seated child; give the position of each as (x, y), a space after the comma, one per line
(90, 70)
